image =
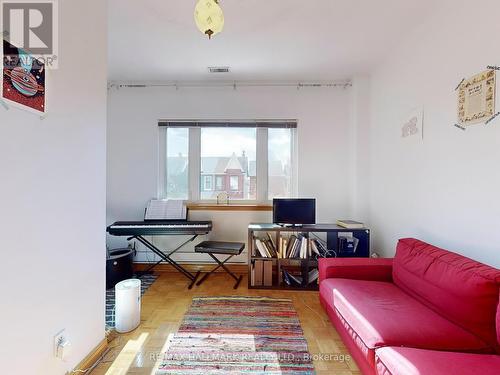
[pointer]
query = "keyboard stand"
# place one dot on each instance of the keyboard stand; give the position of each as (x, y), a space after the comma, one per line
(166, 257)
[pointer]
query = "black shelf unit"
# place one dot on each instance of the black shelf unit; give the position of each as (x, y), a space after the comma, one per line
(333, 232)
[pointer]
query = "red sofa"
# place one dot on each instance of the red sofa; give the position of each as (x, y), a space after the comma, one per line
(427, 311)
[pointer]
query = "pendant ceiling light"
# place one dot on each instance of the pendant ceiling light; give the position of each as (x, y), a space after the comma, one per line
(209, 17)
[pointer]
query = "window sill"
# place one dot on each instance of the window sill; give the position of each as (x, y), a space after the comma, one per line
(228, 207)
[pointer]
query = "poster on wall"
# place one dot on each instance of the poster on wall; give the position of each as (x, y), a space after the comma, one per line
(23, 80)
(413, 125)
(476, 98)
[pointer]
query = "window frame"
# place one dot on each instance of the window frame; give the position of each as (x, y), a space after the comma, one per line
(232, 178)
(217, 179)
(208, 178)
(194, 164)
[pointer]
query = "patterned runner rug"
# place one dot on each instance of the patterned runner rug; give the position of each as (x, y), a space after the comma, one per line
(233, 335)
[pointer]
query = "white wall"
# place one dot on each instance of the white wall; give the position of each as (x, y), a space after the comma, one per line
(360, 150)
(323, 150)
(52, 199)
(446, 189)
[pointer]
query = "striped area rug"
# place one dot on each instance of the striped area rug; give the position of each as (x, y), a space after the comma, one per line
(236, 335)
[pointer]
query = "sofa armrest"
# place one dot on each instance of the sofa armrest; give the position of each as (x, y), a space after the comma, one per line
(376, 269)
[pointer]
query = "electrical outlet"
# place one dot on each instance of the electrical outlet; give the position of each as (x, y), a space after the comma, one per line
(59, 338)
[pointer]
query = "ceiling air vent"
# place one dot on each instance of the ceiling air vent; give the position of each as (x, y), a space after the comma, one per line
(218, 69)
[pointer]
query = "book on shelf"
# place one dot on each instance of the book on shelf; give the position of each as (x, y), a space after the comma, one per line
(314, 247)
(268, 273)
(303, 248)
(257, 273)
(286, 278)
(271, 240)
(291, 279)
(313, 275)
(290, 246)
(283, 247)
(265, 248)
(296, 246)
(295, 278)
(350, 224)
(319, 249)
(270, 248)
(260, 247)
(262, 273)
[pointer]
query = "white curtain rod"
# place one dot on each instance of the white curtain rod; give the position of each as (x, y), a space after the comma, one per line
(234, 85)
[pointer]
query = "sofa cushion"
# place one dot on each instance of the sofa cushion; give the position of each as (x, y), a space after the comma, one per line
(381, 314)
(459, 288)
(408, 361)
(378, 269)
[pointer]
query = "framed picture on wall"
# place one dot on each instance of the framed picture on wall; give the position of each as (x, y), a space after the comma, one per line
(476, 98)
(23, 80)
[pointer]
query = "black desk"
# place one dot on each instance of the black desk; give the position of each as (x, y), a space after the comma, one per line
(222, 248)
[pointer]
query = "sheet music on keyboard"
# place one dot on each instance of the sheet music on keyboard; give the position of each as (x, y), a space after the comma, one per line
(166, 209)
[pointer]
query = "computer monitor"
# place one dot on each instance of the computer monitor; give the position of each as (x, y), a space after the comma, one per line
(294, 211)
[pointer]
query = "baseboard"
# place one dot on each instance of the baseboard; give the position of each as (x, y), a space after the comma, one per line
(92, 358)
(202, 267)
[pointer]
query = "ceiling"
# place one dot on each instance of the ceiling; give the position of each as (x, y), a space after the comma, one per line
(278, 40)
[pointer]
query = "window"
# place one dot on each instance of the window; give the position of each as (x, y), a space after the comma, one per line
(177, 163)
(219, 183)
(229, 152)
(207, 183)
(279, 163)
(234, 183)
(250, 161)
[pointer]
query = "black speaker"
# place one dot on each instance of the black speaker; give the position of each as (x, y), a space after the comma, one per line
(119, 266)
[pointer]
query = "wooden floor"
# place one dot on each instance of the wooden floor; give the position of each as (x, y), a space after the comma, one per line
(166, 301)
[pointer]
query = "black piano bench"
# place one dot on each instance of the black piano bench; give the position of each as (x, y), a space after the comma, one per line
(220, 248)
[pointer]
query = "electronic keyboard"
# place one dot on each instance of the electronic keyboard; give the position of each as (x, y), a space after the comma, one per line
(159, 228)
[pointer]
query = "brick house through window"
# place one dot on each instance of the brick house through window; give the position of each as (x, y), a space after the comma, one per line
(230, 175)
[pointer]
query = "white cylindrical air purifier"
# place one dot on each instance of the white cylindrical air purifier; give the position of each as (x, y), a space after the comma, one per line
(127, 305)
